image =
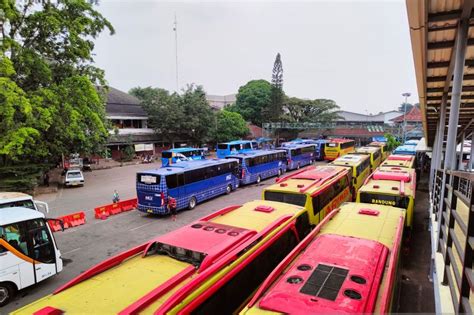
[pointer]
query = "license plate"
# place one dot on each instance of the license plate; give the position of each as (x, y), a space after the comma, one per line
(149, 211)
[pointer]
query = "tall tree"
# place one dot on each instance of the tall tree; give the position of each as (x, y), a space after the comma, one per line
(275, 110)
(49, 83)
(252, 99)
(318, 110)
(228, 126)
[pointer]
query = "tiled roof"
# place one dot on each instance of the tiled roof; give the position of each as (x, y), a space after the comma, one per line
(413, 115)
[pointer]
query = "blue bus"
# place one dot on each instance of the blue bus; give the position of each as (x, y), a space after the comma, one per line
(189, 183)
(405, 149)
(411, 142)
(299, 155)
(320, 144)
(234, 147)
(265, 143)
(257, 165)
(172, 156)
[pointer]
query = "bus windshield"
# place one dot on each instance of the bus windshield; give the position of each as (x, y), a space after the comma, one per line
(294, 199)
(222, 146)
(388, 200)
(166, 154)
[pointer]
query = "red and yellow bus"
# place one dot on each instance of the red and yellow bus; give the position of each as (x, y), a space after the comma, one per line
(382, 146)
(347, 264)
(319, 189)
(394, 188)
(400, 161)
(338, 147)
(360, 168)
(211, 266)
(374, 153)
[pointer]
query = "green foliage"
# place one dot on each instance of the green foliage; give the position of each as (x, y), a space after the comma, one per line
(229, 126)
(253, 99)
(129, 152)
(275, 111)
(301, 110)
(175, 116)
(22, 177)
(392, 142)
(50, 105)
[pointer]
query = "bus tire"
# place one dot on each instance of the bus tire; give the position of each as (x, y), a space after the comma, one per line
(7, 292)
(280, 172)
(259, 179)
(192, 203)
(298, 166)
(228, 190)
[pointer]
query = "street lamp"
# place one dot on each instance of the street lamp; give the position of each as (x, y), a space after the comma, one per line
(406, 95)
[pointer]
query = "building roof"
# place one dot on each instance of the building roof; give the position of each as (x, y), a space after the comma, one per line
(122, 104)
(414, 115)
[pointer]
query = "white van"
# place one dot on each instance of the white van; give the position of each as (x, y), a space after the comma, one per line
(28, 252)
(17, 199)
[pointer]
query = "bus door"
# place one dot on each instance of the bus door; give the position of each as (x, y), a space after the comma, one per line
(41, 249)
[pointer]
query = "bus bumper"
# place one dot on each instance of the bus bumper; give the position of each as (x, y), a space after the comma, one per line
(152, 210)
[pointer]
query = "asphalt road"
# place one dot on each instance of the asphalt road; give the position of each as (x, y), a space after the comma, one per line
(89, 244)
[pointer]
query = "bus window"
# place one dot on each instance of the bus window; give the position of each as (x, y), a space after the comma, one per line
(15, 235)
(148, 179)
(302, 226)
(222, 146)
(251, 276)
(294, 199)
(43, 248)
(166, 154)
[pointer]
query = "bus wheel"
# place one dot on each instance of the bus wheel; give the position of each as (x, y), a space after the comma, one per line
(7, 291)
(298, 166)
(279, 172)
(228, 190)
(192, 203)
(259, 179)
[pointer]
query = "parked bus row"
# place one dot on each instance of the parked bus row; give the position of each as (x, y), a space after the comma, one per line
(261, 252)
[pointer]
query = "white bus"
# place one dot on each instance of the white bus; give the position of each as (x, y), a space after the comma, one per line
(17, 199)
(28, 252)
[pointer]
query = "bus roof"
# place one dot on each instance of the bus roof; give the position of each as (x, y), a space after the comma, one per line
(254, 153)
(237, 142)
(390, 182)
(186, 149)
(350, 159)
(405, 149)
(295, 145)
(400, 157)
(377, 143)
(185, 166)
(18, 214)
(339, 140)
(342, 249)
(309, 180)
(367, 149)
(13, 196)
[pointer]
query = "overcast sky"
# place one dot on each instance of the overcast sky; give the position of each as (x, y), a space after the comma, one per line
(357, 53)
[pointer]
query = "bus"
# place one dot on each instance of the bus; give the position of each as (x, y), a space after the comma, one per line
(172, 156)
(234, 147)
(399, 161)
(189, 183)
(320, 145)
(265, 143)
(28, 251)
(18, 199)
(405, 150)
(257, 165)
(319, 189)
(210, 266)
(383, 148)
(360, 169)
(394, 188)
(347, 265)
(412, 142)
(299, 155)
(374, 153)
(338, 147)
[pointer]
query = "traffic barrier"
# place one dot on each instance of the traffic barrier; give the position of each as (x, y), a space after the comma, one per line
(69, 221)
(101, 212)
(129, 204)
(115, 208)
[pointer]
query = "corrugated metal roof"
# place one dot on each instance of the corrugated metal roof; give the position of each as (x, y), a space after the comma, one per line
(433, 28)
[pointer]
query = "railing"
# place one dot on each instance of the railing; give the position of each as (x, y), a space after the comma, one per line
(453, 206)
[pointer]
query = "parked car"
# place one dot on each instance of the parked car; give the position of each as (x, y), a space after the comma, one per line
(74, 178)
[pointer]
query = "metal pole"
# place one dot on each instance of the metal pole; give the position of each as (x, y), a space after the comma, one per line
(471, 158)
(460, 166)
(434, 153)
(441, 128)
(175, 29)
(460, 55)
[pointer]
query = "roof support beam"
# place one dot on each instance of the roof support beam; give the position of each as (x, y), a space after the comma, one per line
(438, 98)
(447, 44)
(444, 16)
(460, 56)
(444, 64)
(442, 78)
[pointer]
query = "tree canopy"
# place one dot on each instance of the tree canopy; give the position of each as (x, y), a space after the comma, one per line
(253, 98)
(229, 126)
(175, 116)
(303, 110)
(50, 104)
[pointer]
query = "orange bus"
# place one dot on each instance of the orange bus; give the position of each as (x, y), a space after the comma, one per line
(338, 147)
